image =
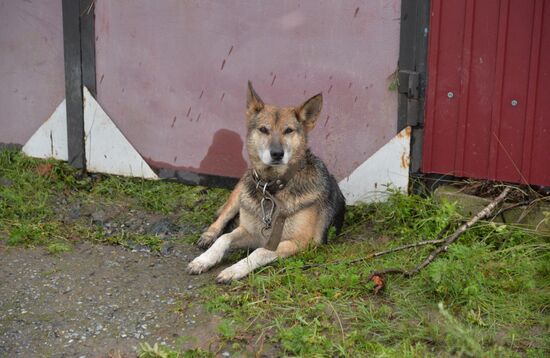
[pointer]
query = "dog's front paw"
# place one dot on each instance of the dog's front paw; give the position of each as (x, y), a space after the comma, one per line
(206, 239)
(230, 274)
(197, 266)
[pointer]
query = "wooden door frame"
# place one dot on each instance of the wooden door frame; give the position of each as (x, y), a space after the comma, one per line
(412, 74)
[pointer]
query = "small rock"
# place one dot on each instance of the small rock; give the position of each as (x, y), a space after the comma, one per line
(74, 213)
(98, 217)
(161, 227)
(166, 248)
(141, 248)
(6, 182)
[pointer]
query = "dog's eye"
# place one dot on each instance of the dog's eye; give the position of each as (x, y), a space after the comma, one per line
(264, 130)
(288, 131)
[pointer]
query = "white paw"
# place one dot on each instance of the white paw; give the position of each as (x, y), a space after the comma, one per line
(209, 258)
(231, 273)
(197, 266)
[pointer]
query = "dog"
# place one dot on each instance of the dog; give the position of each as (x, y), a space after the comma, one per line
(285, 202)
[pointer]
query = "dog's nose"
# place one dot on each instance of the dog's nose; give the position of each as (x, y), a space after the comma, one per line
(277, 154)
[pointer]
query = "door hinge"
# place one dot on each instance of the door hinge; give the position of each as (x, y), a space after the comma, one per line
(409, 88)
(408, 83)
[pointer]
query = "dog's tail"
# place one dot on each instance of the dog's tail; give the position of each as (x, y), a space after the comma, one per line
(340, 213)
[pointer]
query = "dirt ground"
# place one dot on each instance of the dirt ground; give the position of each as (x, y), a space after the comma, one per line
(99, 301)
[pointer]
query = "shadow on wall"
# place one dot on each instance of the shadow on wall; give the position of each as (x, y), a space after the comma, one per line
(225, 155)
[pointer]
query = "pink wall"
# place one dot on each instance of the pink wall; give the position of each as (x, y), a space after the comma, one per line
(31, 66)
(172, 75)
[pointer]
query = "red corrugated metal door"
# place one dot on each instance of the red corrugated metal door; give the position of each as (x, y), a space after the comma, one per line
(487, 114)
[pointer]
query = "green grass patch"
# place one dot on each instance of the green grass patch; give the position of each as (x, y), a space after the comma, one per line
(34, 192)
(58, 247)
(145, 350)
(487, 296)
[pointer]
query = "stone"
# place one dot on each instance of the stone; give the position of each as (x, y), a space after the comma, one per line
(161, 227)
(166, 248)
(533, 217)
(74, 212)
(6, 182)
(98, 217)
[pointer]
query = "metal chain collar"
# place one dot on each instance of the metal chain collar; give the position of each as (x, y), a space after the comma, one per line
(267, 203)
(268, 208)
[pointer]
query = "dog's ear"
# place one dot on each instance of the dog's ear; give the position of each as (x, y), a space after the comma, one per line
(253, 102)
(309, 111)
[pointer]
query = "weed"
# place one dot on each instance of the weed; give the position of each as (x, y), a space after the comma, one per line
(394, 81)
(226, 330)
(58, 247)
(145, 350)
(127, 240)
(155, 351)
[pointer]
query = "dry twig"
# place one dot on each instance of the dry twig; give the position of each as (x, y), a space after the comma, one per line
(377, 254)
(487, 211)
(481, 215)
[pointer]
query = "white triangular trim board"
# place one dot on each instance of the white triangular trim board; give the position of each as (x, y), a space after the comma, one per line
(107, 150)
(388, 167)
(50, 140)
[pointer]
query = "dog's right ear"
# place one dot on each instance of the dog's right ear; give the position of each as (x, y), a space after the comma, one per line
(309, 111)
(253, 102)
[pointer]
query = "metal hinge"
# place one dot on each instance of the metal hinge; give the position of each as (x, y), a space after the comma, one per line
(408, 83)
(409, 87)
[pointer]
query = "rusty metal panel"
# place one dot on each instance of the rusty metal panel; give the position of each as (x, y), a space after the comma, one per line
(172, 75)
(484, 113)
(31, 66)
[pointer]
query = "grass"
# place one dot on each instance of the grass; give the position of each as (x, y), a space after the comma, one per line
(36, 195)
(58, 247)
(489, 295)
(145, 350)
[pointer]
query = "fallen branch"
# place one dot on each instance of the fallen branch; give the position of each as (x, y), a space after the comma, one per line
(395, 249)
(383, 272)
(377, 254)
(487, 211)
(513, 206)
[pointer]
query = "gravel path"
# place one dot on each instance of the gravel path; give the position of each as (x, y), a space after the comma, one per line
(99, 301)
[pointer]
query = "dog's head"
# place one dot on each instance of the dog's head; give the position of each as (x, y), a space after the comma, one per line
(277, 136)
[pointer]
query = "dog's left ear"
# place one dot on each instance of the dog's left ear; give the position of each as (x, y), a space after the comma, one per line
(253, 102)
(309, 111)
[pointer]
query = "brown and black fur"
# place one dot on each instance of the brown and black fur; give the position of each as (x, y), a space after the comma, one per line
(310, 199)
